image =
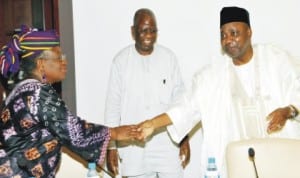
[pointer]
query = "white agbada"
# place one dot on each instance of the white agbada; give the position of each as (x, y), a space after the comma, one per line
(233, 104)
(141, 87)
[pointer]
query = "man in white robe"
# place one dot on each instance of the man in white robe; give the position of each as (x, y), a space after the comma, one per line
(251, 91)
(144, 79)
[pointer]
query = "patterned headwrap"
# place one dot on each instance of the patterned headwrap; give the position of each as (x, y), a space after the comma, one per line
(26, 45)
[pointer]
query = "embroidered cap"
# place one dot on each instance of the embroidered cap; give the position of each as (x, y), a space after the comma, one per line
(234, 14)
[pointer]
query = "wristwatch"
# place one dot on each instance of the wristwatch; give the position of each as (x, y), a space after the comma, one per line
(293, 112)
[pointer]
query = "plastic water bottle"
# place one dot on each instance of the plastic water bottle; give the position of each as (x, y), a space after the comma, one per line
(211, 169)
(92, 172)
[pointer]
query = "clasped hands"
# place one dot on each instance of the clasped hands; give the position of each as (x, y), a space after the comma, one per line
(140, 132)
(137, 132)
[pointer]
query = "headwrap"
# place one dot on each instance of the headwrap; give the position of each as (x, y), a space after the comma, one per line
(26, 45)
(234, 14)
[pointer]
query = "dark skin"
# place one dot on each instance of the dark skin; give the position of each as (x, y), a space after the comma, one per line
(236, 43)
(144, 33)
(55, 69)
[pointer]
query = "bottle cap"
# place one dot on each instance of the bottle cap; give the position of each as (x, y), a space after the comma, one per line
(211, 160)
(92, 165)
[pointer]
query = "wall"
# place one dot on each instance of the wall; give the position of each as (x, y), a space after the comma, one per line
(190, 28)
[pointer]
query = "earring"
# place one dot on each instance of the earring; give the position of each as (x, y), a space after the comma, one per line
(44, 79)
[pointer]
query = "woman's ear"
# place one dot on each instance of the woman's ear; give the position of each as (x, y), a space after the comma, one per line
(40, 64)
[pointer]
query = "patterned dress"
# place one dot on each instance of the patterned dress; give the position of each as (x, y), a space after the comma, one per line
(35, 123)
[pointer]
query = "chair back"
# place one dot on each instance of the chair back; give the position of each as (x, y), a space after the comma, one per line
(273, 157)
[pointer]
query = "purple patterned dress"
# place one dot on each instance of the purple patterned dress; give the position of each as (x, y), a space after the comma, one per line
(35, 123)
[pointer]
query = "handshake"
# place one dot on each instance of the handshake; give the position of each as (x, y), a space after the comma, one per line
(137, 132)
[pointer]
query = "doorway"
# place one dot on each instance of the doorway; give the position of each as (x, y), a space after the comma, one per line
(40, 14)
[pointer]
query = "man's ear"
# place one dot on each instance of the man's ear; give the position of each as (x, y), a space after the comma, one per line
(133, 32)
(249, 31)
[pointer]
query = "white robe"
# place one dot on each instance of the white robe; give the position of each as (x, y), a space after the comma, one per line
(230, 112)
(141, 87)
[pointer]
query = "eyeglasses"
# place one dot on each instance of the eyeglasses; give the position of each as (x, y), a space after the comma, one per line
(53, 55)
(62, 57)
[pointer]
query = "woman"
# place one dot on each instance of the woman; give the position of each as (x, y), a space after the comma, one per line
(35, 123)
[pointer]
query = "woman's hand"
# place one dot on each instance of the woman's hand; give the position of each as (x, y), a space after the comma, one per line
(125, 132)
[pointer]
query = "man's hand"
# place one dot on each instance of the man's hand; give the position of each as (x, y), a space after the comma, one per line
(277, 119)
(184, 152)
(112, 161)
(145, 129)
